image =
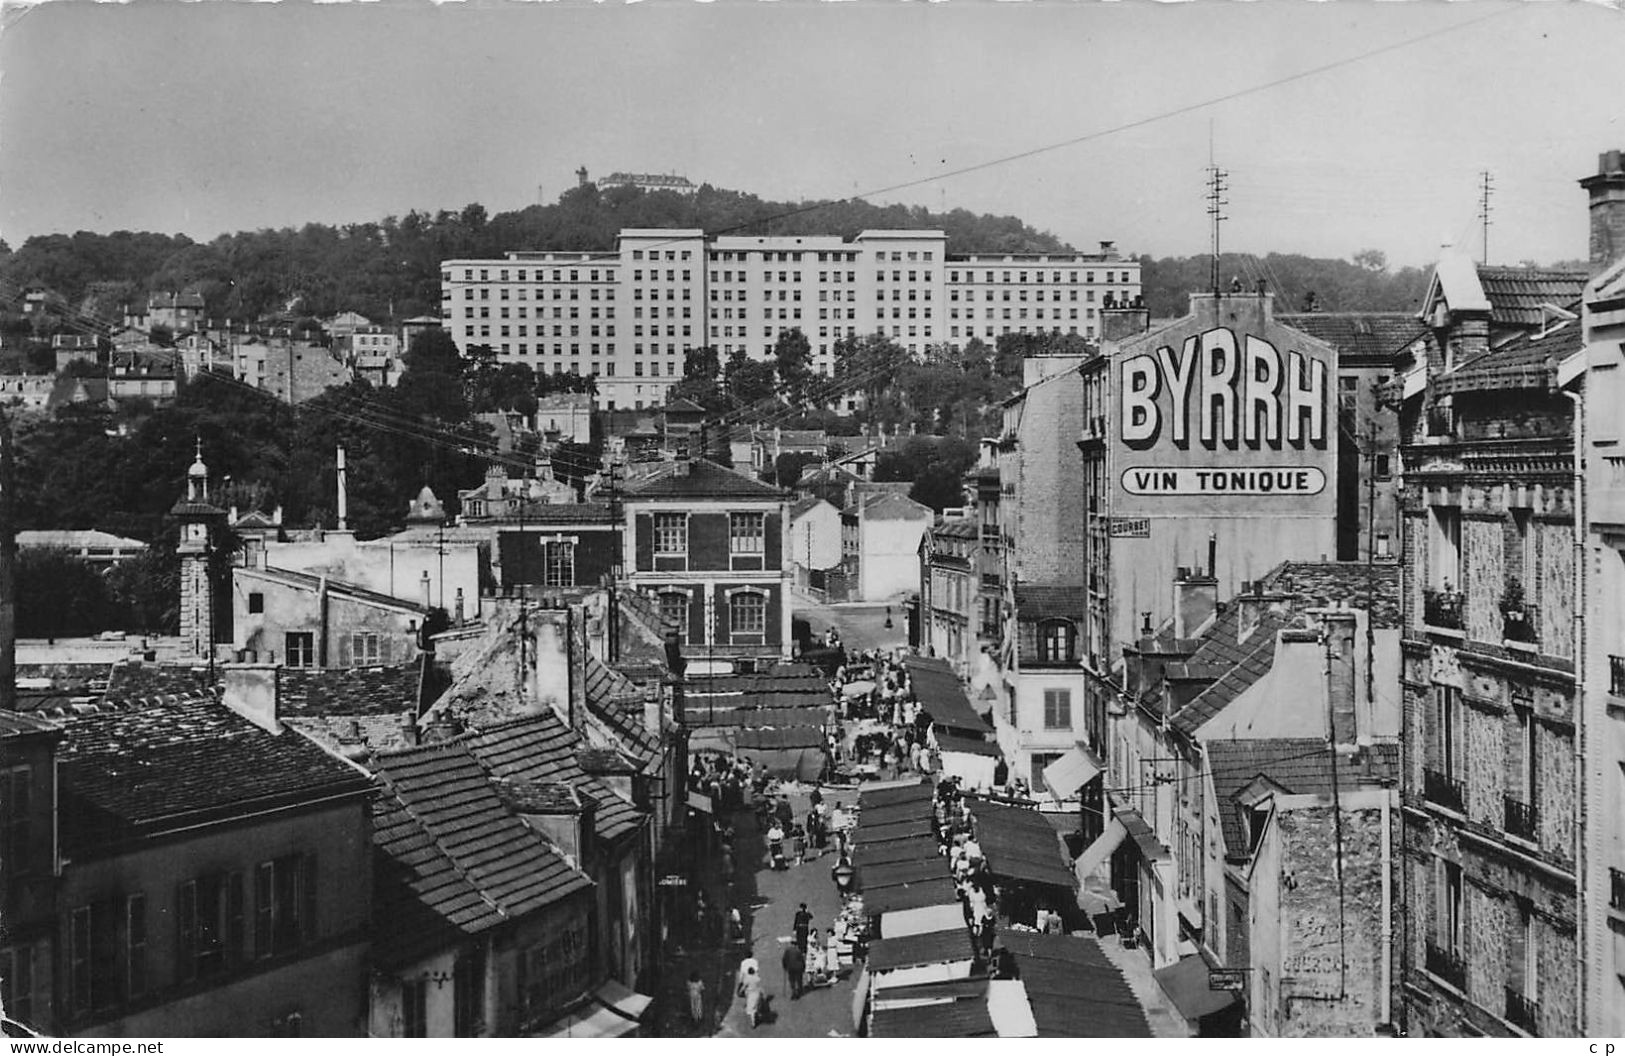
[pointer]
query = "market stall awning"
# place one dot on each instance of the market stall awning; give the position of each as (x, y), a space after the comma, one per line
(939, 891)
(592, 1021)
(1094, 856)
(1186, 984)
(942, 695)
(952, 944)
(1009, 1009)
(921, 920)
(1071, 772)
(616, 995)
(1144, 837)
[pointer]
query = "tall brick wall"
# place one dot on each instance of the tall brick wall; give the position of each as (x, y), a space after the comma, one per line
(1331, 958)
(1052, 531)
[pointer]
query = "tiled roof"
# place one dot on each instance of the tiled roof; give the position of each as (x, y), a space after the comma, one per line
(1527, 362)
(541, 749)
(947, 742)
(1300, 766)
(942, 695)
(912, 951)
(132, 678)
(311, 692)
(956, 528)
(1327, 583)
(16, 724)
(1021, 844)
(969, 1018)
(132, 766)
(452, 857)
(702, 480)
(1036, 602)
(1244, 663)
(803, 505)
(1371, 336)
(1073, 989)
(892, 506)
(1517, 294)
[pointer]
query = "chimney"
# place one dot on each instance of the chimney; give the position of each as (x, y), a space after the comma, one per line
(1108, 249)
(1196, 600)
(253, 691)
(1340, 687)
(679, 468)
(1122, 321)
(1607, 192)
(653, 713)
(344, 493)
(443, 727)
(556, 810)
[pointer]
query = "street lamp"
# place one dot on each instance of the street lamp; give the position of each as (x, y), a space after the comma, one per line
(844, 875)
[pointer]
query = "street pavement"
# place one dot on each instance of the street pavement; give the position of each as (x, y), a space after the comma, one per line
(861, 625)
(822, 1013)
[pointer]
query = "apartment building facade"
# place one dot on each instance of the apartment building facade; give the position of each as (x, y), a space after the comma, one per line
(1491, 837)
(627, 315)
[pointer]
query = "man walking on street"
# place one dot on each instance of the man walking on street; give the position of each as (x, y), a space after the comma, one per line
(696, 998)
(803, 927)
(795, 969)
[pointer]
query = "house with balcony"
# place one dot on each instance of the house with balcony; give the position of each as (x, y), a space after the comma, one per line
(1593, 377)
(1488, 680)
(710, 546)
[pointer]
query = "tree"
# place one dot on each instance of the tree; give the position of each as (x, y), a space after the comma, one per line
(702, 363)
(59, 596)
(787, 468)
(1371, 260)
(792, 358)
(161, 335)
(753, 383)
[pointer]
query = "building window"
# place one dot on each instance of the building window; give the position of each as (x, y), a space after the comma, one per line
(365, 649)
(300, 648)
(671, 534)
(1451, 909)
(746, 532)
(1057, 709)
(415, 1008)
(284, 904)
(674, 612)
(468, 993)
(256, 601)
(1057, 642)
(16, 817)
(1041, 761)
(17, 983)
(210, 914)
(559, 566)
(553, 973)
(1446, 565)
(1449, 730)
(747, 613)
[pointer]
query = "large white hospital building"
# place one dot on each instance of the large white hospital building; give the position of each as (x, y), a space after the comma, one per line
(627, 315)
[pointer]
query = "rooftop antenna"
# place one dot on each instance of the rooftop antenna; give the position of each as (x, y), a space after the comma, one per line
(1486, 184)
(1216, 201)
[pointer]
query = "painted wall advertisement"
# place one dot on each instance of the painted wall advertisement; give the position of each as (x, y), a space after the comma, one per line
(1224, 414)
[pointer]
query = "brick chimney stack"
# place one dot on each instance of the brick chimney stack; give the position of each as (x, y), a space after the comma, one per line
(1607, 191)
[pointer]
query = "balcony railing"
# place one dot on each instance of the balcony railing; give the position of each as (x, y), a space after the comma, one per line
(1519, 818)
(1448, 966)
(1616, 675)
(1442, 608)
(1616, 889)
(1522, 1012)
(1443, 790)
(1518, 625)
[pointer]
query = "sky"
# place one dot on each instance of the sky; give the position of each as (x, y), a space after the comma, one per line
(1343, 125)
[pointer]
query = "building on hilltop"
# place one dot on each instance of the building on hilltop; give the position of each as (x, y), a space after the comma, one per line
(647, 181)
(627, 315)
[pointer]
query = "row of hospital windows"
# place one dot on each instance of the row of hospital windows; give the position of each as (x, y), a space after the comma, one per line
(607, 273)
(599, 349)
(483, 293)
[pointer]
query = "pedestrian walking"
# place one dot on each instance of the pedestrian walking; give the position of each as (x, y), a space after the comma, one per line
(748, 985)
(696, 998)
(803, 926)
(795, 969)
(798, 844)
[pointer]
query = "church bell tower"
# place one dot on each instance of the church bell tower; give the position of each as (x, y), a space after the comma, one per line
(196, 514)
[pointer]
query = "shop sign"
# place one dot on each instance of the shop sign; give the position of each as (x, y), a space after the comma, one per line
(1129, 528)
(1229, 980)
(700, 801)
(672, 880)
(1188, 480)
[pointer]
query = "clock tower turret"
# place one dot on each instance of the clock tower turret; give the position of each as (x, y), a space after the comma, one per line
(196, 515)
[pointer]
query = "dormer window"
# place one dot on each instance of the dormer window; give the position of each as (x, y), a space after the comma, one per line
(1057, 642)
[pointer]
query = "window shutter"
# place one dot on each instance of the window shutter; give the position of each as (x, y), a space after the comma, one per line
(772, 542)
(645, 542)
(347, 650)
(135, 948)
(235, 939)
(385, 649)
(262, 910)
(186, 917)
(307, 898)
